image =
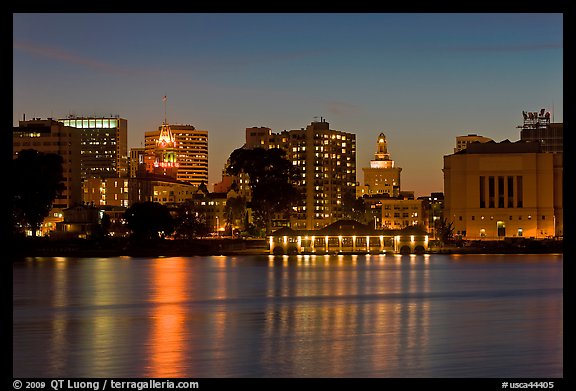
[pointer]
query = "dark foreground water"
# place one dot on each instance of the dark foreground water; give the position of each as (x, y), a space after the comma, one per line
(301, 316)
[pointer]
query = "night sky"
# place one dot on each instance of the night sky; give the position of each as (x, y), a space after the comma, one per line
(422, 79)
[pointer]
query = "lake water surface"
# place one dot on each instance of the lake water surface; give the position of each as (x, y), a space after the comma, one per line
(386, 316)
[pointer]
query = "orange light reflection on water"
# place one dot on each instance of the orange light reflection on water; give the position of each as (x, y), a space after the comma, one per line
(168, 282)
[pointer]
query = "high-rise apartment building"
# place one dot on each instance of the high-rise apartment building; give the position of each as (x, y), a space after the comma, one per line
(191, 149)
(382, 177)
(50, 136)
(104, 145)
(326, 159)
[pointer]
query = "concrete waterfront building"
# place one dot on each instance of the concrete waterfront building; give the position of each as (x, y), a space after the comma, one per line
(191, 150)
(497, 190)
(462, 142)
(50, 136)
(104, 145)
(382, 177)
(327, 161)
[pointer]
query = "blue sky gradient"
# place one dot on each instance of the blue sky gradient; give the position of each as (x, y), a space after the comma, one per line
(420, 78)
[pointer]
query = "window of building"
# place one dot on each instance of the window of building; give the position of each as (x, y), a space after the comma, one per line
(473, 218)
(510, 192)
(482, 193)
(500, 191)
(519, 201)
(491, 192)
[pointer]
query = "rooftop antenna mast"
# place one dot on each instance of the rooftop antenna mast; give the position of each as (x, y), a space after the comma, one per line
(164, 99)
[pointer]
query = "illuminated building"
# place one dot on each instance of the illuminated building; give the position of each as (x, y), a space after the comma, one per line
(187, 145)
(462, 142)
(326, 159)
(382, 177)
(161, 189)
(497, 190)
(538, 127)
(106, 191)
(347, 237)
(401, 212)
(50, 136)
(104, 145)
(165, 153)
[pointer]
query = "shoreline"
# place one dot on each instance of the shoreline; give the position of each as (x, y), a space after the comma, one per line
(107, 248)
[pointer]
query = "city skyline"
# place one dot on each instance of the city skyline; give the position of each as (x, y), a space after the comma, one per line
(421, 79)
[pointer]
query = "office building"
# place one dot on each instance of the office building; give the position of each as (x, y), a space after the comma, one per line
(190, 147)
(104, 145)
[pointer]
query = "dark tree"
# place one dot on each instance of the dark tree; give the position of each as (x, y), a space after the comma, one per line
(38, 180)
(235, 211)
(444, 230)
(272, 178)
(189, 223)
(355, 208)
(203, 188)
(149, 220)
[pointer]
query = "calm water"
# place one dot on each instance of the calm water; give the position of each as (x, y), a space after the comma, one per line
(301, 316)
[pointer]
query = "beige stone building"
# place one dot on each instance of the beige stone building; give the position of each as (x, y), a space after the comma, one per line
(497, 190)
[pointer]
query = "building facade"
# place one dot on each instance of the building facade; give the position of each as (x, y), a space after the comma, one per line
(326, 159)
(497, 190)
(191, 147)
(106, 191)
(50, 136)
(104, 145)
(382, 177)
(398, 213)
(137, 165)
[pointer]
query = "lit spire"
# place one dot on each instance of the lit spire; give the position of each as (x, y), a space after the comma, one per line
(382, 148)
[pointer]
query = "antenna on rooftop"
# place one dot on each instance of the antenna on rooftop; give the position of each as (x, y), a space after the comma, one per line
(164, 99)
